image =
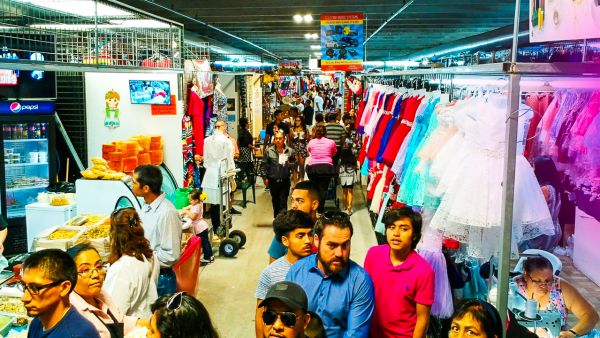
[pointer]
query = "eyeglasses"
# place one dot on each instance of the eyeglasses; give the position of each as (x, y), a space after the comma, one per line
(36, 289)
(542, 282)
(175, 301)
(87, 273)
(287, 318)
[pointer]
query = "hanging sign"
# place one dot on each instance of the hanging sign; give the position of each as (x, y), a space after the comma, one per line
(26, 107)
(342, 37)
(165, 109)
(563, 20)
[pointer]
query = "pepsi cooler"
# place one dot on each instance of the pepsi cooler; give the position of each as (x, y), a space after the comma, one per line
(29, 157)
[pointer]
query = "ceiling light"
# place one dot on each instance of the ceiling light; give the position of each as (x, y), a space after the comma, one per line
(140, 23)
(318, 53)
(307, 18)
(87, 8)
(298, 18)
(315, 47)
(307, 36)
(314, 36)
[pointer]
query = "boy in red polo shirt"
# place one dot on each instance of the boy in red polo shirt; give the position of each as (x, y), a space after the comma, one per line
(403, 281)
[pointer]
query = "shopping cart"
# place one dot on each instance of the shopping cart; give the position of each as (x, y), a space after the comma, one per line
(331, 194)
(229, 242)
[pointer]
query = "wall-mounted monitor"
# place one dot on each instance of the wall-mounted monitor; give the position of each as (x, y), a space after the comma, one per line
(150, 92)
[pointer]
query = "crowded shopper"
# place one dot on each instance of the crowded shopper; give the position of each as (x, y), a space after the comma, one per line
(552, 292)
(284, 311)
(236, 156)
(300, 137)
(133, 273)
(218, 158)
(309, 113)
(278, 117)
(318, 100)
(48, 278)
(305, 197)
(476, 318)
(162, 226)
(276, 168)
(293, 228)
(320, 168)
(338, 289)
(91, 301)
(347, 171)
(180, 316)
(195, 212)
(245, 143)
(403, 280)
(335, 131)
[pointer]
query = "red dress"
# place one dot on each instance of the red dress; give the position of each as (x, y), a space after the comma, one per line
(380, 128)
(399, 134)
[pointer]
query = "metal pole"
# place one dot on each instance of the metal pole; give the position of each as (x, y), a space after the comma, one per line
(406, 5)
(584, 52)
(508, 191)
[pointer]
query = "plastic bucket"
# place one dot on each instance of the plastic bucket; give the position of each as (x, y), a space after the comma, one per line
(181, 198)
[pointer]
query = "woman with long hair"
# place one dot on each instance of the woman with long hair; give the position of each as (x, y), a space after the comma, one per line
(300, 137)
(475, 318)
(180, 316)
(132, 276)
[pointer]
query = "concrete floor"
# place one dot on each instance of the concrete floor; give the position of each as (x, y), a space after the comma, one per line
(227, 286)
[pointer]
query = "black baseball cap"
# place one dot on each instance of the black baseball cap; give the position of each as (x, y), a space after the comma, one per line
(291, 294)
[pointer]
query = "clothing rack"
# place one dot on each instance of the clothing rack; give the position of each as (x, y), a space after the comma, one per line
(513, 72)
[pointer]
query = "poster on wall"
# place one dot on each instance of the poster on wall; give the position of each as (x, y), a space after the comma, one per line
(563, 20)
(342, 37)
(111, 112)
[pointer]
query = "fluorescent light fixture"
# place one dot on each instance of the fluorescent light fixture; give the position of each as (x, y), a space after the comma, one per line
(298, 18)
(244, 64)
(318, 53)
(468, 46)
(314, 36)
(86, 8)
(374, 63)
(307, 36)
(315, 47)
(401, 64)
(140, 23)
(74, 27)
(307, 18)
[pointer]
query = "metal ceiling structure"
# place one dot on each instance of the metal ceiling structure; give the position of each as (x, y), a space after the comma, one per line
(266, 27)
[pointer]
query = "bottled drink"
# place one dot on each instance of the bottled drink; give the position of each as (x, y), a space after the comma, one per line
(38, 131)
(24, 131)
(6, 132)
(31, 131)
(13, 132)
(19, 131)
(44, 132)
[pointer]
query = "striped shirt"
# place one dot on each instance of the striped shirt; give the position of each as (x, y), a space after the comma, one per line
(335, 132)
(273, 273)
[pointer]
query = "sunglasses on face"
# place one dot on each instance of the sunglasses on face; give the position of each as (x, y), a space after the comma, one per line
(36, 289)
(287, 318)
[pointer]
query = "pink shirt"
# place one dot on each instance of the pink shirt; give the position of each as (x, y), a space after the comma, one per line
(199, 225)
(91, 313)
(321, 150)
(398, 289)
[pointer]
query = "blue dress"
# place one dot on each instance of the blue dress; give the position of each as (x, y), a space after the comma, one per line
(412, 187)
(389, 128)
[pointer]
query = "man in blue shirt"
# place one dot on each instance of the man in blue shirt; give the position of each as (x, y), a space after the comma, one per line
(338, 289)
(49, 276)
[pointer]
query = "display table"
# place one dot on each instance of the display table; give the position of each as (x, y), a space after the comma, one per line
(585, 248)
(41, 216)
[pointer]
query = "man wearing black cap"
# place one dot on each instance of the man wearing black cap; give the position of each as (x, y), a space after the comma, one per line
(284, 311)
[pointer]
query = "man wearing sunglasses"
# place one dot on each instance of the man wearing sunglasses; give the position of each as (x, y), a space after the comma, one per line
(48, 278)
(338, 289)
(293, 228)
(285, 311)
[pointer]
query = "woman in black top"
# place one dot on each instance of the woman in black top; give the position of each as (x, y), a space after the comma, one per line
(245, 141)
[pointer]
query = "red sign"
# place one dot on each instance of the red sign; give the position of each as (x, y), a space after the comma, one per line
(165, 109)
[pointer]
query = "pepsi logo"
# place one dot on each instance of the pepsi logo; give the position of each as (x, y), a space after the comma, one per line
(15, 107)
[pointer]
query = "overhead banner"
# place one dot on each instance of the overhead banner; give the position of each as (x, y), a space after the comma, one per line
(342, 37)
(563, 20)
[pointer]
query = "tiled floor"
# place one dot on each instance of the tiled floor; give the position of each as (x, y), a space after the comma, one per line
(227, 286)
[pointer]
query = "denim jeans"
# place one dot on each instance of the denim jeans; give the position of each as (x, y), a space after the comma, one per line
(167, 282)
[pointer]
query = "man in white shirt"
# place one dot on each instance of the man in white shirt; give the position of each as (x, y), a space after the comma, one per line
(339, 101)
(319, 104)
(218, 158)
(162, 226)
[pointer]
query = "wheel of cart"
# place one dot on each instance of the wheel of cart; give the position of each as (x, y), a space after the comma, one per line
(239, 236)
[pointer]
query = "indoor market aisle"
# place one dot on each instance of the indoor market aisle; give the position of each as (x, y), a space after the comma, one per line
(226, 287)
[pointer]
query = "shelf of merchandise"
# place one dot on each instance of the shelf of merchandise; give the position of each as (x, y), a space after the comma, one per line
(18, 165)
(27, 140)
(27, 188)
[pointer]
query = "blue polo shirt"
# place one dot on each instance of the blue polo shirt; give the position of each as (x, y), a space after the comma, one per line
(344, 301)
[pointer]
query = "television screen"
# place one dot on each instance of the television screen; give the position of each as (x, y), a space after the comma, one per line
(150, 92)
